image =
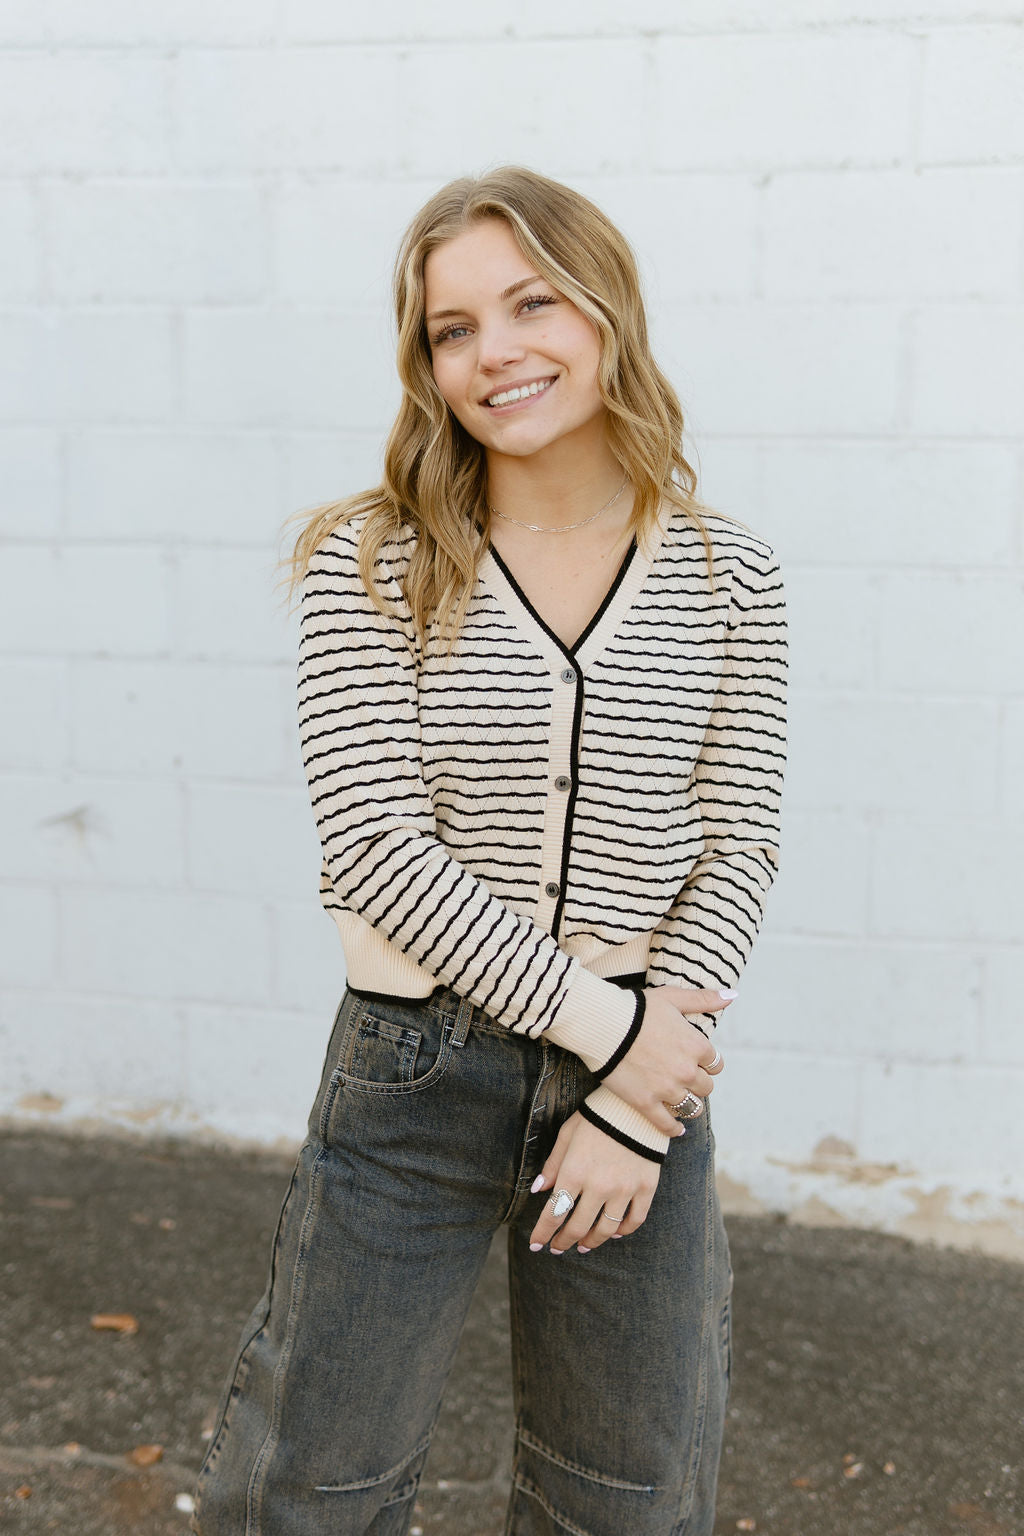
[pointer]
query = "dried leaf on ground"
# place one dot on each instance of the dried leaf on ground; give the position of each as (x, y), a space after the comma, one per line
(746, 1525)
(854, 1469)
(146, 1455)
(799, 1482)
(889, 1468)
(23, 1492)
(114, 1322)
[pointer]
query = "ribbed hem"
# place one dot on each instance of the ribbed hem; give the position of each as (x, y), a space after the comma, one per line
(595, 1017)
(628, 1125)
(620, 1136)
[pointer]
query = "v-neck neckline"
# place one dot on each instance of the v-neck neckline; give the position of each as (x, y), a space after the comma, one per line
(625, 587)
(570, 650)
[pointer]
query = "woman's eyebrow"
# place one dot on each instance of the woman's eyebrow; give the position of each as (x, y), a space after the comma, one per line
(507, 293)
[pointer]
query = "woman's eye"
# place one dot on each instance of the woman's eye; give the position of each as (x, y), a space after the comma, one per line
(448, 332)
(536, 301)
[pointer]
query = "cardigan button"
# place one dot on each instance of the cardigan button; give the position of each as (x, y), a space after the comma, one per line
(568, 675)
(562, 782)
(551, 889)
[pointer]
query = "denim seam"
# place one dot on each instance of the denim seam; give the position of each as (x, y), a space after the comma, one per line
(574, 1466)
(708, 1321)
(257, 1478)
(531, 1490)
(375, 1482)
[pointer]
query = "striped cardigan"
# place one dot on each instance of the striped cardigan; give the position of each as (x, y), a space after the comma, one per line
(530, 818)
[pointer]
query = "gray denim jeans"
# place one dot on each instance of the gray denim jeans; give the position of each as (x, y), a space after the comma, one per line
(429, 1127)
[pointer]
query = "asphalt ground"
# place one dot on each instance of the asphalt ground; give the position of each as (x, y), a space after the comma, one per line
(878, 1386)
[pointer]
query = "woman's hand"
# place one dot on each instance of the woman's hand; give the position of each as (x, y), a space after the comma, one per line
(670, 1057)
(612, 1188)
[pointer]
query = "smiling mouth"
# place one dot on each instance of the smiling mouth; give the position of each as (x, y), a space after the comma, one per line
(524, 392)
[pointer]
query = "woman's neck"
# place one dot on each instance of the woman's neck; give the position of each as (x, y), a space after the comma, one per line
(552, 489)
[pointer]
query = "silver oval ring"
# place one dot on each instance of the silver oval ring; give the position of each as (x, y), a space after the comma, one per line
(561, 1202)
(605, 1217)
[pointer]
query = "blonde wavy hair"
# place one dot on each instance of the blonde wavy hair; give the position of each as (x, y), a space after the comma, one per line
(435, 474)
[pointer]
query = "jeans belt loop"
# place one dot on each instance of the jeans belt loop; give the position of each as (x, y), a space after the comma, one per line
(463, 1018)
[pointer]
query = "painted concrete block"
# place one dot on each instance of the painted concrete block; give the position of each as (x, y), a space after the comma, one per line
(84, 601)
(214, 721)
(309, 961)
(968, 371)
(86, 365)
(822, 885)
(962, 1127)
(158, 242)
(251, 109)
(784, 1104)
(131, 1073)
(949, 878)
(695, 236)
(971, 105)
(33, 708)
(885, 754)
(321, 467)
(173, 945)
(1011, 757)
(228, 607)
(563, 132)
(147, 23)
(253, 1072)
(942, 233)
(255, 840)
(91, 113)
(876, 1001)
(20, 265)
(30, 473)
(316, 259)
(946, 632)
(209, 487)
(259, 368)
(775, 101)
(882, 503)
(1002, 1034)
(770, 370)
(91, 831)
(28, 921)
(833, 622)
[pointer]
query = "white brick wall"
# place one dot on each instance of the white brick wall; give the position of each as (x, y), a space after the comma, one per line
(199, 207)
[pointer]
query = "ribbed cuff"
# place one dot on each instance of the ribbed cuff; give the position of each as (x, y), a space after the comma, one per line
(596, 1020)
(625, 1124)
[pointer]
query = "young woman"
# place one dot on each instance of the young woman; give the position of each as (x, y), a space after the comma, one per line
(541, 706)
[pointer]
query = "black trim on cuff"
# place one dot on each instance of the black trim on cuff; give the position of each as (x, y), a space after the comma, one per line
(627, 1039)
(620, 1136)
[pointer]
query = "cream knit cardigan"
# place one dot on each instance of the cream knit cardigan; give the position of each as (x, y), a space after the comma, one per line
(531, 818)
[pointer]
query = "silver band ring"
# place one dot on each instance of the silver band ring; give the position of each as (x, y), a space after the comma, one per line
(717, 1062)
(605, 1217)
(692, 1106)
(561, 1202)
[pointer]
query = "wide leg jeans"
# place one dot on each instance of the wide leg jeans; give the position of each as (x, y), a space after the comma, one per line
(430, 1124)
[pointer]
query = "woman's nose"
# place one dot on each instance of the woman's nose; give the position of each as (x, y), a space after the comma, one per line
(499, 346)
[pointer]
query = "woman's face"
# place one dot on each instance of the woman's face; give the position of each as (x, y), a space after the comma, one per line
(496, 327)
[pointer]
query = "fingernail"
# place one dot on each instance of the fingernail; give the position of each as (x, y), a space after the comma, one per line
(538, 1183)
(728, 993)
(681, 1131)
(557, 1252)
(536, 1247)
(581, 1250)
(617, 1235)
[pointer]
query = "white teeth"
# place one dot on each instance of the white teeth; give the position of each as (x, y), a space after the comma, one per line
(510, 395)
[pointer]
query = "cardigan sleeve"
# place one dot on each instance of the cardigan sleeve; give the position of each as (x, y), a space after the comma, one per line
(359, 729)
(705, 938)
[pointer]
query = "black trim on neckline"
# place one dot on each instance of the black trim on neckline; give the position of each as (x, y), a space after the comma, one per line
(569, 650)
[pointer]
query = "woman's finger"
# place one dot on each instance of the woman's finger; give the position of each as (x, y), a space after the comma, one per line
(606, 1226)
(557, 1208)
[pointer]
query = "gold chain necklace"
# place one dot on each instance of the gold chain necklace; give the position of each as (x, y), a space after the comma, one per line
(566, 527)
